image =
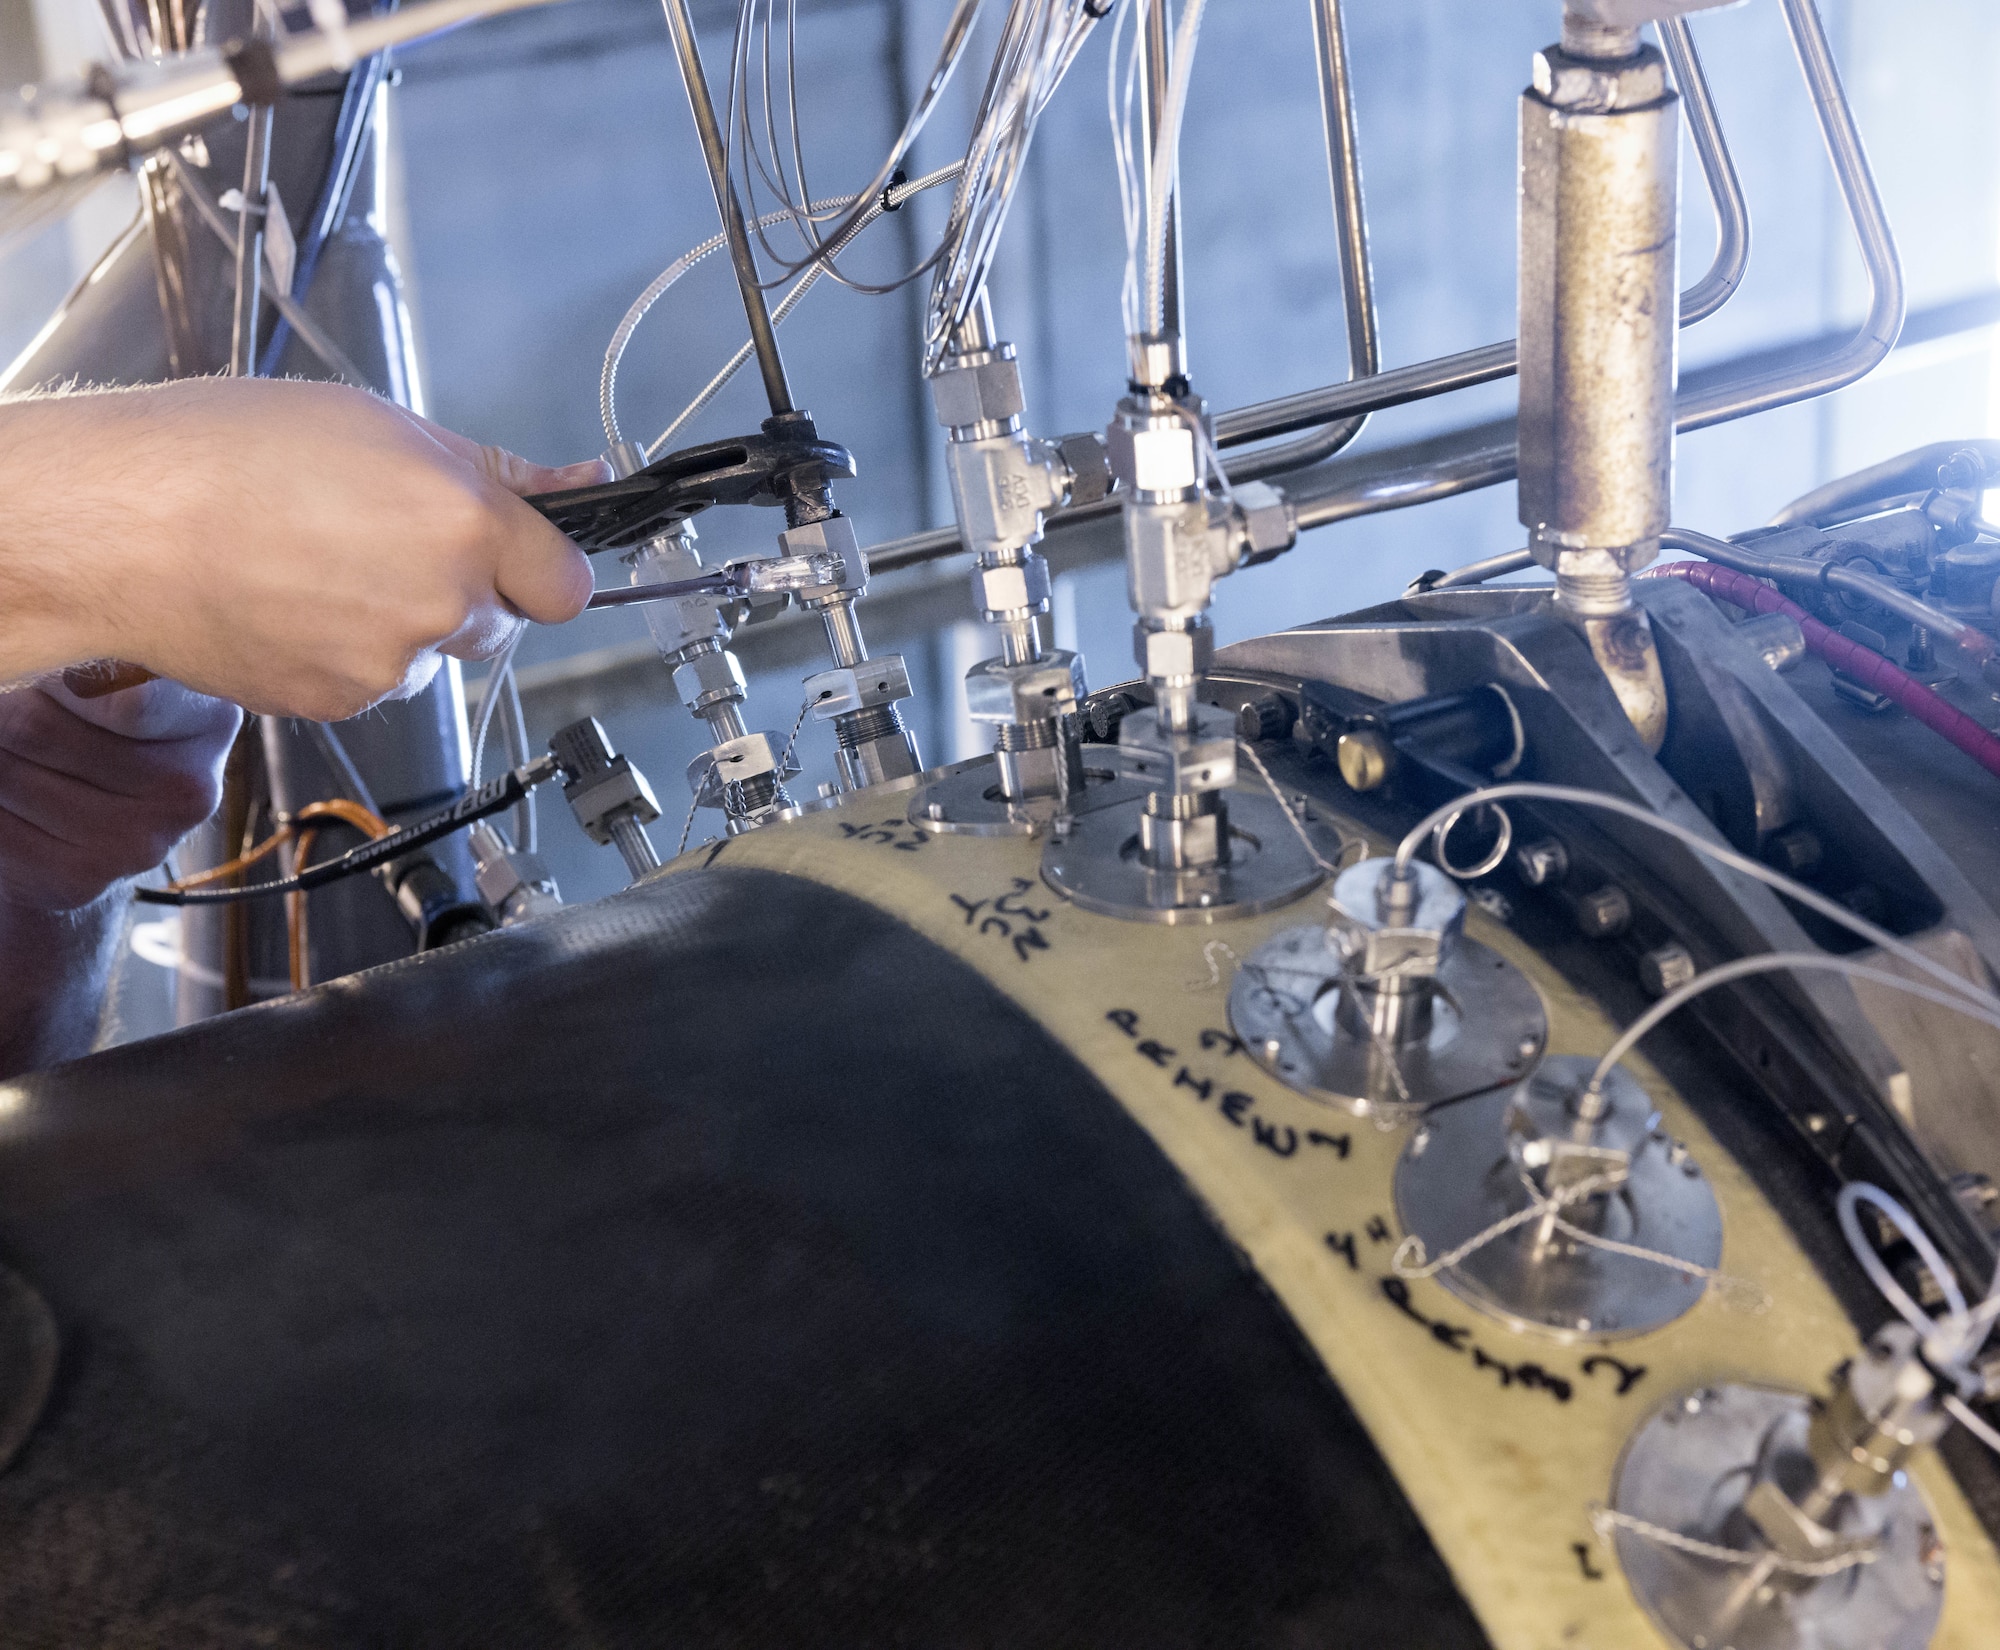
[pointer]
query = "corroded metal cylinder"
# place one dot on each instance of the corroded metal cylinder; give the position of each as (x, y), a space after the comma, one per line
(1600, 174)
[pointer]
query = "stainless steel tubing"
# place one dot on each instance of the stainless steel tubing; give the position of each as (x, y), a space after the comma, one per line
(1878, 331)
(1725, 190)
(250, 244)
(1491, 567)
(763, 336)
(1488, 465)
(1357, 273)
(1911, 472)
(1448, 373)
(1828, 575)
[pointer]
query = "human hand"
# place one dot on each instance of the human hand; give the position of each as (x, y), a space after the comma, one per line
(96, 790)
(302, 549)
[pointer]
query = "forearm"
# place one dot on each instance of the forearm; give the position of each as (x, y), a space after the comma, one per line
(71, 475)
(54, 968)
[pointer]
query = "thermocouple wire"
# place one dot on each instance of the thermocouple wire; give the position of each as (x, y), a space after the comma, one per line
(898, 193)
(1811, 898)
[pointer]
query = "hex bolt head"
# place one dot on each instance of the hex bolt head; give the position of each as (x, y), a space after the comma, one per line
(1542, 864)
(1603, 912)
(1665, 968)
(1796, 851)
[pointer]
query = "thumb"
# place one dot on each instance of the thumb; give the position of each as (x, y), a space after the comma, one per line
(511, 471)
(523, 476)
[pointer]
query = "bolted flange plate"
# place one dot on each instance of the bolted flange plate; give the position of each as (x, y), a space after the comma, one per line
(1487, 1027)
(1093, 859)
(1688, 1468)
(971, 803)
(1456, 1178)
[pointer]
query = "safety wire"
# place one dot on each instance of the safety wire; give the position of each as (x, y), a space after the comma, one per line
(1951, 1343)
(784, 759)
(1963, 997)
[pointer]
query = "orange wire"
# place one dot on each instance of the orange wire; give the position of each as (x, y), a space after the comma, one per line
(295, 915)
(348, 813)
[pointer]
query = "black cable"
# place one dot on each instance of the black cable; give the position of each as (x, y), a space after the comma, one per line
(493, 797)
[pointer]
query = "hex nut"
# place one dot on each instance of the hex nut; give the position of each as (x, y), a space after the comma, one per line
(1583, 85)
(708, 678)
(878, 681)
(1089, 466)
(996, 691)
(1416, 942)
(1665, 968)
(1265, 521)
(1542, 864)
(1604, 912)
(1202, 759)
(1168, 654)
(965, 393)
(1012, 588)
(1152, 454)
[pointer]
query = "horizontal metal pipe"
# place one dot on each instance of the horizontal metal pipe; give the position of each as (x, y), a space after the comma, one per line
(1449, 373)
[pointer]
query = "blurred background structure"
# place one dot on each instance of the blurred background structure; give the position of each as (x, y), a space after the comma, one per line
(548, 170)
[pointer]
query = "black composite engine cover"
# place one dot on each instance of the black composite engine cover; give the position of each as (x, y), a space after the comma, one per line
(721, 1264)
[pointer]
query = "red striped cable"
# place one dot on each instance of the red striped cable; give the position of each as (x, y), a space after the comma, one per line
(1850, 658)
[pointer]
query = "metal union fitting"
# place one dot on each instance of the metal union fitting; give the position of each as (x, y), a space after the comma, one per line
(1264, 522)
(1000, 487)
(843, 689)
(1011, 589)
(1152, 452)
(1174, 553)
(1089, 465)
(982, 389)
(1202, 759)
(1165, 654)
(1379, 931)
(515, 885)
(708, 678)
(1053, 685)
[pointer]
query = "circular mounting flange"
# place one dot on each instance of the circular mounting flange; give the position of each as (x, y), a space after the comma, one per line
(1093, 859)
(1487, 1025)
(1688, 1469)
(1457, 1177)
(969, 802)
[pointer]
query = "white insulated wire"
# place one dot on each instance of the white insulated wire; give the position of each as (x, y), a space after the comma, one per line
(897, 193)
(1812, 899)
(1770, 963)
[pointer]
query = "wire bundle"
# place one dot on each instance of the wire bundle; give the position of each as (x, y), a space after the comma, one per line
(1038, 43)
(754, 65)
(1145, 192)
